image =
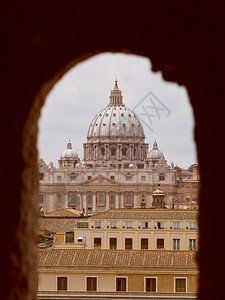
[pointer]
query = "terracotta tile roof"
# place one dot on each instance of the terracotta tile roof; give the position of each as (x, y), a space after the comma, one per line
(57, 224)
(66, 212)
(117, 258)
(138, 214)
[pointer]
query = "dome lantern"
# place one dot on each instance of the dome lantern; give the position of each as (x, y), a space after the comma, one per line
(116, 97)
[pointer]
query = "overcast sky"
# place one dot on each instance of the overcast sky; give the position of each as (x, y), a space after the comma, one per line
(162, 107)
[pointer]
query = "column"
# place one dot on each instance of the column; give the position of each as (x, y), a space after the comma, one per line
(107, 201)
(120, 151)
(85, 201)
(50, 202)
(135, 200)
(85, 152)
(105, 156)
(131, 149)
(117, 200)
(122, 200)
(94, 202)
(150, 199)
(107, 151)
(66, 200)
(95, 152)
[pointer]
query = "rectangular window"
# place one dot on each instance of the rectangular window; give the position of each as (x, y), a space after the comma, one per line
(176, 244)
(192, 225)
(82, 224)
(89, 177)
(180, 285)
(143, 178)
(192, 244)
(89, 199)
(129, 225)
(73, 177)
(113, 151)
(61, 283)
(69, 237)
(59, 178)
(128, 244)
(160, 243)
(112, 177)
(144, 225)
(124, 151)
(113, 225)
(176, 225)
(97, 243)
(91, 284)
(144, 244)
(113, 243)
(161, 176)
(97, 224)
(41, 176)
(160, 225)
(128, 178)
(121, 284)
(150, 284)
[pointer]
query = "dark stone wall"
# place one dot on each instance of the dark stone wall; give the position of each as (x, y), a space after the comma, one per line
(40, 41)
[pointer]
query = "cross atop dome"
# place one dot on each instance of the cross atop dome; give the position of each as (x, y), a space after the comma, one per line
(116, 84)
(116, 97)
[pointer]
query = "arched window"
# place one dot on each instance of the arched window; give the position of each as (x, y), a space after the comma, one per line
(101, 199)
(73, 200)
(128, 198)
(112, 199)
(124, 151)
(89, 199)
(41, 199)
(59, 199)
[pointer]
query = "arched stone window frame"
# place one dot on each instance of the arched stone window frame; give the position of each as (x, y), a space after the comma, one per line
(41, 199)
(101, 199)
(59, 199)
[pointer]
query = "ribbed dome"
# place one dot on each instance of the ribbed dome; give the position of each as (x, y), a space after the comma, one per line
(116, 119)
(69, 152)
(155, 153)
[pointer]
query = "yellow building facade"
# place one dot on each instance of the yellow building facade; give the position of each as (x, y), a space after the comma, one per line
(104, 273)
(134, 229)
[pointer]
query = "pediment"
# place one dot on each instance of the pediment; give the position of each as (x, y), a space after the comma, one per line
(100, 180)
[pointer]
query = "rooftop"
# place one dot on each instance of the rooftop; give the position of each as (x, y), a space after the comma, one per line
(138, 214)
(56, 224)
(66, 212)
(117, 258)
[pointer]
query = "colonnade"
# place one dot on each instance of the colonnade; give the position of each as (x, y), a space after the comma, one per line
(90, 201)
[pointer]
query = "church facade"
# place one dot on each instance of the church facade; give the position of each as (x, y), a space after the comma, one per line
(118, 169)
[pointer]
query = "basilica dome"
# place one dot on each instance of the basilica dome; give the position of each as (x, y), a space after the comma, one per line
(155, 153)
(116, 120)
